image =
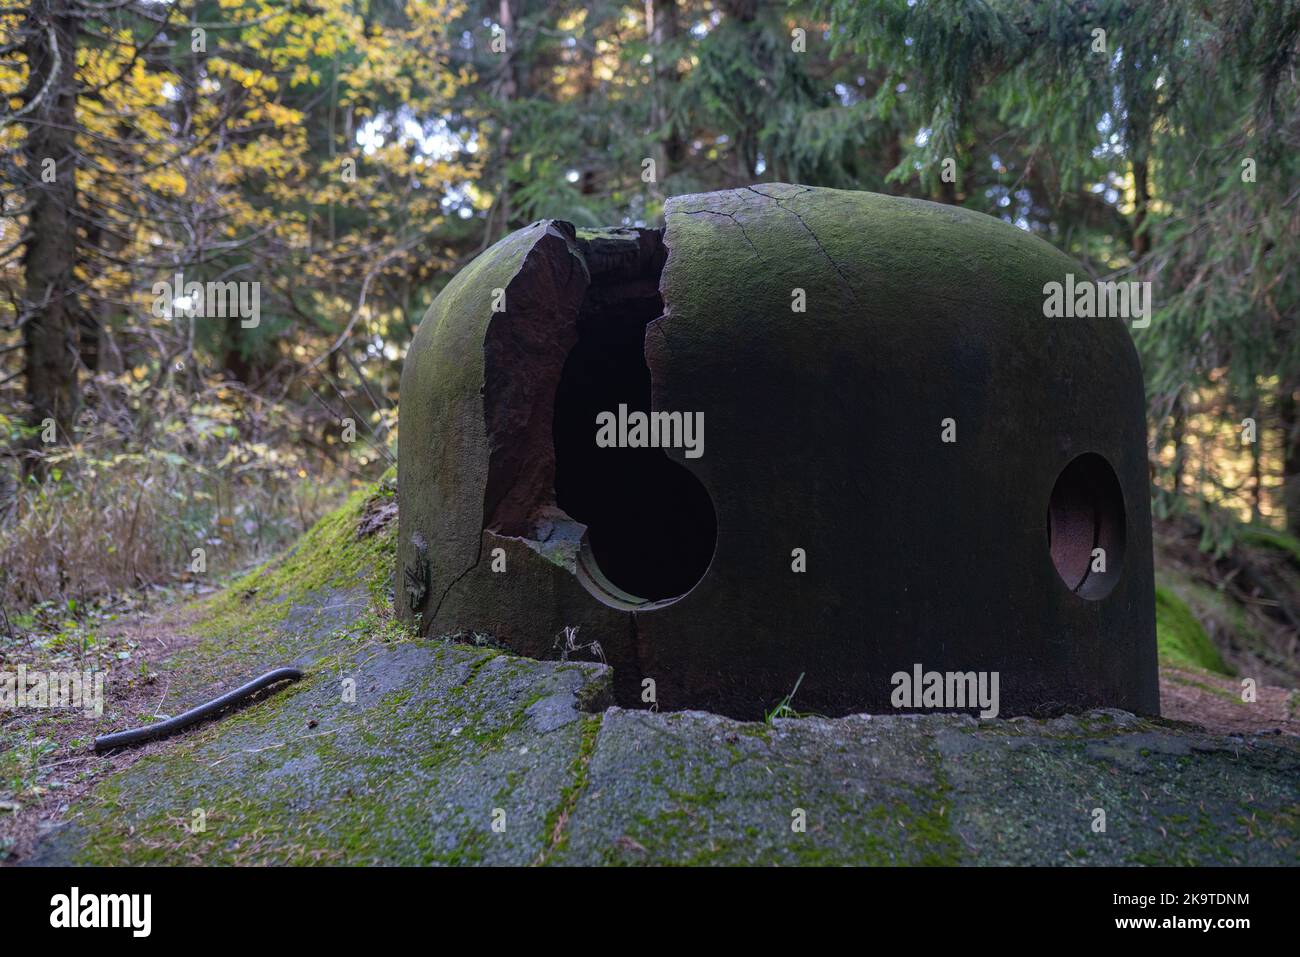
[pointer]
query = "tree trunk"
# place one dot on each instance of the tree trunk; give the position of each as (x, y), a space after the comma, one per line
(50, 301)
(1141, 207)
(1179, 435)
(745, 149)
(664, 25)
(1289, 425)
(233, 361)
(508, 91)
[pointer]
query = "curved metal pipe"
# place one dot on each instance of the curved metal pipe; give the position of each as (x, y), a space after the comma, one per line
(163, 728)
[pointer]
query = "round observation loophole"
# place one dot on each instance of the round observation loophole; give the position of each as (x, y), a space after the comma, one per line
(1085, 526)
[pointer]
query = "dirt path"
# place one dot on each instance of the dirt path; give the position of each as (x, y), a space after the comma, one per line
(1214, 702)
(46, 758)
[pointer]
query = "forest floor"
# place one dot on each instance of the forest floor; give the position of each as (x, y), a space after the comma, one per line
(395, 750)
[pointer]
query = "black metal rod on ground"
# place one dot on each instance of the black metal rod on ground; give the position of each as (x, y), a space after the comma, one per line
(163, 728)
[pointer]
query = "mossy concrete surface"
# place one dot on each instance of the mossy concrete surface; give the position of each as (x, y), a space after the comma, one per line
(697, 788)
(445, 740)
(412, 772)
(452, 753)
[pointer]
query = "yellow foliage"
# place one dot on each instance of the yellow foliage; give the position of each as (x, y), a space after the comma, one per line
(166, 180)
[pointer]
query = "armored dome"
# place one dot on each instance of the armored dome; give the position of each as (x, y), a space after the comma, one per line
(798, 436)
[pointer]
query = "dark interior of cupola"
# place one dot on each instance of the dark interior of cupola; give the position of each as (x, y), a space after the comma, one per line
(651, 526)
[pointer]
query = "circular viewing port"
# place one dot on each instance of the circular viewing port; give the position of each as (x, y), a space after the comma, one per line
(1085, 526)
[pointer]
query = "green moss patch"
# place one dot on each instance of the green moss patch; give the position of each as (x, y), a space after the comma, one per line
(1180, 638)
(332, 555)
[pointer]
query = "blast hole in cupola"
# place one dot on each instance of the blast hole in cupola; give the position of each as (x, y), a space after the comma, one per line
(651, 526)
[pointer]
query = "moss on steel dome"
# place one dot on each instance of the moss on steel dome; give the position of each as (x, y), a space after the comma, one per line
(823, 434)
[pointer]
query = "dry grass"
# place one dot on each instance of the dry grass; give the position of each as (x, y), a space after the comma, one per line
(111, 525)
(129, 502)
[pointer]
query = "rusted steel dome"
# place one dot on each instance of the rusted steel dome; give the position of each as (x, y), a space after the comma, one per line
(914, 470)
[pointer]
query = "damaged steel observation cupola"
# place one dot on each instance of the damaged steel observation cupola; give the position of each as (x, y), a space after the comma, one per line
(798, 432)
